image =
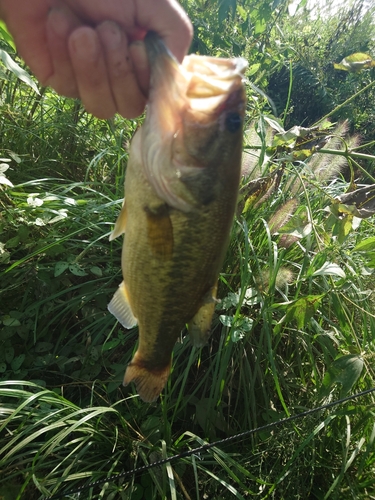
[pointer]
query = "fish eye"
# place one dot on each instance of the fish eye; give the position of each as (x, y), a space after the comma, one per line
(233, 122)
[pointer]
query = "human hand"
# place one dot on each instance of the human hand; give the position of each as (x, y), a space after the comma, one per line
(83, 48)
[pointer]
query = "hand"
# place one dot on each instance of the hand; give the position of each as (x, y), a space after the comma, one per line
(83, 48)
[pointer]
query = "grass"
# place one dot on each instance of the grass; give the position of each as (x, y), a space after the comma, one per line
(295, 328)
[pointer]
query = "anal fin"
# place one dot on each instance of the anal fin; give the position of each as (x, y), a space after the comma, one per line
(199, 327)
(120, 307)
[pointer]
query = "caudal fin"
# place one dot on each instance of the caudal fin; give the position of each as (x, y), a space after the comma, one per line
(149, 383)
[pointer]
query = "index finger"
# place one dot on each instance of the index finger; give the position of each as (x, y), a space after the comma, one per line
(27, 22)
(166, 17)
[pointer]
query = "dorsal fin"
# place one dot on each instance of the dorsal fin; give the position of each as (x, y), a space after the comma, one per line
(120, 224)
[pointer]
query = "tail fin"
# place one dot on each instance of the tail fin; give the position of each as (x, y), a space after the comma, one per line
(149, 383)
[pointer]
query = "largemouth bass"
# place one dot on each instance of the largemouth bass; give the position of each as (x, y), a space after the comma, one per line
(181, 189)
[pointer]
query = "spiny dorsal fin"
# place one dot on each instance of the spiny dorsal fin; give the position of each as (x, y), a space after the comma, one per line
(120, 308)
(120, 224)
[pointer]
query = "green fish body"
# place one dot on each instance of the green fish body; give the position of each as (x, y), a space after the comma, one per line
(180, 196)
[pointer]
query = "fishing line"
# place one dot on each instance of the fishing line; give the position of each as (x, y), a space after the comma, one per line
(207, 446)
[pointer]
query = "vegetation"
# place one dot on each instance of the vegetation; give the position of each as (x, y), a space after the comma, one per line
(295, 327)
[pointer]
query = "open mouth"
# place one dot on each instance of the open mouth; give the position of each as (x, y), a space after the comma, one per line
(211, 79)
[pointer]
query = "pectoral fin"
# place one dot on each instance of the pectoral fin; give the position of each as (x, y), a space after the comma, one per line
(120, 308)
(120, 224)
(200, 325)
(160, 231)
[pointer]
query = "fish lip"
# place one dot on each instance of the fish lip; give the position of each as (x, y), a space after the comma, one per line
(156, 48)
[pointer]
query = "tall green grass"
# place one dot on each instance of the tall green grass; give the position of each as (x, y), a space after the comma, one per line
(295, 327)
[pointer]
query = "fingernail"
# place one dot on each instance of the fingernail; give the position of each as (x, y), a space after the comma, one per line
(84, 43)
(110, 34)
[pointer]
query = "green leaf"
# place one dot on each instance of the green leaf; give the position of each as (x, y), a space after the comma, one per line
(5, 35)
(3, 179)
(13, 242)
(355, 62)
(9, 354)
(365, 245)
(302, 154)
(3, 367)
(302, 310)
(229, 301)
(245, 324)
(4, 254)
(330, 269)
(226, 320)
(14, 157)
(342, 227)
(226, 7)
(7, 332)
(11, 322)
(94, 354)
(345, 370)
(253, 69)
(96, 271)
(23, 233)
(275, 123)
(289, 137)
(90, 372)
(62, 215)
(111, 344)
(17, 362)
(17, 70)
(252, 297)
(77, 270)
(138, 492)
(3, 167)
(237, 335)
(60, 267)
(43, 347)
(298, 225)
(43, 360)
(207, 414)
(260, 26)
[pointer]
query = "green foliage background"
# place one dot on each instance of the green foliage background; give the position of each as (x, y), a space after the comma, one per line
(295, 327)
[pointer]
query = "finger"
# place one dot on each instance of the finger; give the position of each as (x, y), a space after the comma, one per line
(138, 54)
(127, 95)
(27, 25)
(60, 24)
(91, 73)
(168, 19)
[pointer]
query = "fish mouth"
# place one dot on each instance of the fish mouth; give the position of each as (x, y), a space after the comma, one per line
(210, 80)
(200, 82)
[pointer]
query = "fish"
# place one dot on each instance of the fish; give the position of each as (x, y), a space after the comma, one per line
(181, 187)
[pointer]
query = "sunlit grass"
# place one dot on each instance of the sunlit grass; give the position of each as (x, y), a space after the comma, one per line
(295, 328)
